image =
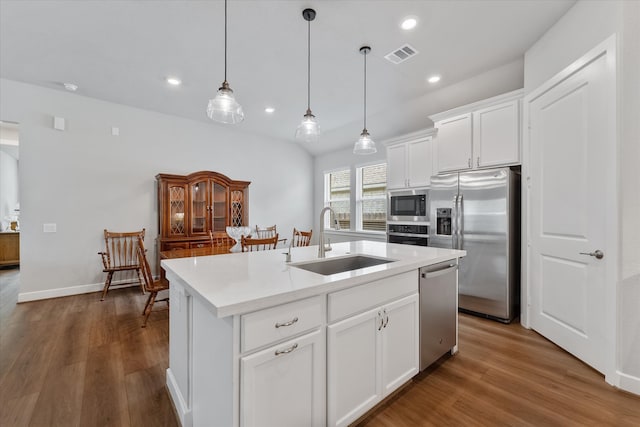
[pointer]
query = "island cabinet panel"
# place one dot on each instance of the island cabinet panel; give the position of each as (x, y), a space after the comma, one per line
(400, 343)
(370, 353)
(281, 322)
(284, 385)
(353, 363)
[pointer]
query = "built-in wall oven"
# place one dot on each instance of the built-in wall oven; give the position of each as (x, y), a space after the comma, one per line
(408, 234)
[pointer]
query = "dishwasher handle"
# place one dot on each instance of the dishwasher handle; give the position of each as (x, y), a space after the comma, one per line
(427, 274)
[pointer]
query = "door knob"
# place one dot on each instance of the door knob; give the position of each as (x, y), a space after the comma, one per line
(598, 254)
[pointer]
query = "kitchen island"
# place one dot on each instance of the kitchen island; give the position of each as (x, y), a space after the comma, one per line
(257, 341)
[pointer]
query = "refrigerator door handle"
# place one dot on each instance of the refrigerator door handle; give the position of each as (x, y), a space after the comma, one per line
(454, 227)
(460, 219)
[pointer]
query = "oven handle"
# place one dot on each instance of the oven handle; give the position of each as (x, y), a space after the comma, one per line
(424, 236)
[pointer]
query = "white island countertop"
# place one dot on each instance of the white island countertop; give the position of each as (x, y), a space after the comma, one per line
(239, 283)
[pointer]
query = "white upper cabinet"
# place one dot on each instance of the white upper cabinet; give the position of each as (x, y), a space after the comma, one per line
(483, 134)
(496, 135)
(454, 143)
(410, 161)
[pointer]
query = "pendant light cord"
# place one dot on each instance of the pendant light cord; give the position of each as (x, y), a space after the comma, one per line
(225, 40)
(365, 90)
(308, 65)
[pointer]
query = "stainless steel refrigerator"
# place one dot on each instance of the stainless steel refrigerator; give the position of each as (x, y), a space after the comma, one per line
(479, 211)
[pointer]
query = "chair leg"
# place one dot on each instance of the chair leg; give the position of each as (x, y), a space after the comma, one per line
(147, 304)
(140, 281)
(107, 283)
(152, 299)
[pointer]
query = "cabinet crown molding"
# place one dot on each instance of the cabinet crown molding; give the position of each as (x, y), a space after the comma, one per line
(413, 136)
(505, 97)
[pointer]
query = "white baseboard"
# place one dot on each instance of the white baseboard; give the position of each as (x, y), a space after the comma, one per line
(71, 290)
(180, 406)
(628, 383)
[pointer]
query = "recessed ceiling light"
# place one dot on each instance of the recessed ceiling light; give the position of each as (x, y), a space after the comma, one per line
(70, 87)
(269, 110)
(434, 79)
(409, 23)
(174, 81)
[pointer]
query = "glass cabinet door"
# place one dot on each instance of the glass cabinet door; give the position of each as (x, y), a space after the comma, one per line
(237, 211)
(177, 196)
(199, 207)
(219, 217)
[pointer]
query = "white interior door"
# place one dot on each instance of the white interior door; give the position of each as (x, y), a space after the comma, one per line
(572, 174)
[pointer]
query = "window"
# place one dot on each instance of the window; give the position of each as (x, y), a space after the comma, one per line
(371, 197)
(338, 196)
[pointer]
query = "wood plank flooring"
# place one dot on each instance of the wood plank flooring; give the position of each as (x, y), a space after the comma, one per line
(76, 361)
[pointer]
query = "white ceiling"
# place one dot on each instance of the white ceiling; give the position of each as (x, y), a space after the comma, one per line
(122, 51)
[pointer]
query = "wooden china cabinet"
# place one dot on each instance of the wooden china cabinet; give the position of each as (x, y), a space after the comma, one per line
(189, 206)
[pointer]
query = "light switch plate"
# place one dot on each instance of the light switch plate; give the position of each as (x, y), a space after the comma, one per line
(49, 228)
(58, 123)
(115, 131)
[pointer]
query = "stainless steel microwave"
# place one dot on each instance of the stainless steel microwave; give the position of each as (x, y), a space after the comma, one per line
(408, 205)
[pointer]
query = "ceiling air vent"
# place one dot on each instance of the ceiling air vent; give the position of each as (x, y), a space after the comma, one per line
(402, 54)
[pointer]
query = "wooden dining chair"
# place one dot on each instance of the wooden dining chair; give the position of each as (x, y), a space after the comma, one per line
(221, 243)
(250, 245)
(301, 238)
(266, 232)
(120, 255)
(151, 286)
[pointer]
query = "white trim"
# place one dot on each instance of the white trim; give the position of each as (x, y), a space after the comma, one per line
(626, 382)
(610, 312)
(71, 290)
(423, 134)
(505, 97)
(179, 404)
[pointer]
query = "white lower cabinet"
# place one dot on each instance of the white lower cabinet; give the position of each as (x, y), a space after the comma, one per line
(369, 355)
(284, 385)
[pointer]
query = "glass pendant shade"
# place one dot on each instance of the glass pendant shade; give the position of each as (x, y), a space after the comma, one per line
(309, 129)
(224, 108)
(364, 144)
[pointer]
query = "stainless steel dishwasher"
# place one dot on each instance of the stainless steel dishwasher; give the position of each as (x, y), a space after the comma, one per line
(438, 310)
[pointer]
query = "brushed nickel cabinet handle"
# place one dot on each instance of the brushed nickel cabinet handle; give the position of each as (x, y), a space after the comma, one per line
(288, 350)
(289, 323)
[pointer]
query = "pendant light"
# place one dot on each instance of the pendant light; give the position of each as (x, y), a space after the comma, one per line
(308, 130)
(364, 144)
(224, 108)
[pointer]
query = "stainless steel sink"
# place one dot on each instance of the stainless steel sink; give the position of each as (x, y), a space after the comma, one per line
(339, 265)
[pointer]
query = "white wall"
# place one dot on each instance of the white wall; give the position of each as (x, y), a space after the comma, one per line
(8, 188)
(584, 26)
(84, 179)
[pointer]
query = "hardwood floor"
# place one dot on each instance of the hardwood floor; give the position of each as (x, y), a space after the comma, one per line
(76, 361)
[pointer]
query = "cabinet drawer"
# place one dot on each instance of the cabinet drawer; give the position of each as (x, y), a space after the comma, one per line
(359, 298)
(277, 323)
(172, 246)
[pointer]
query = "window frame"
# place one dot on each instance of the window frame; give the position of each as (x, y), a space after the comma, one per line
(359, 196)
(327, 195)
